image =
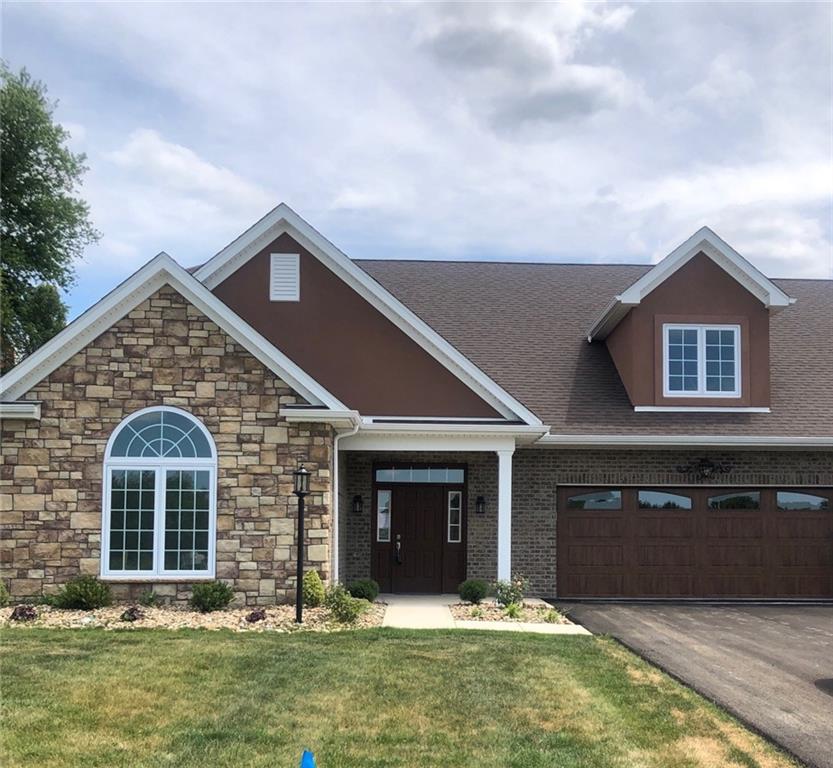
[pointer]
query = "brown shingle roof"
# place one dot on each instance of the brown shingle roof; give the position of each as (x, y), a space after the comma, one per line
(525, 324)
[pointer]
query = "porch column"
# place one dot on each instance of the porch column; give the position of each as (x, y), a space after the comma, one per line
(504, 513)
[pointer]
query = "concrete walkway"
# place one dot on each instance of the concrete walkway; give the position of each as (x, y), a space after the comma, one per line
(432, 612)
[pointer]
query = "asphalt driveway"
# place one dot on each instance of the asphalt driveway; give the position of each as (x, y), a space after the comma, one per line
(771, 666)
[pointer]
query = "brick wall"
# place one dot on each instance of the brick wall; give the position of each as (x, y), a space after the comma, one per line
(165, 352)
(536, 475)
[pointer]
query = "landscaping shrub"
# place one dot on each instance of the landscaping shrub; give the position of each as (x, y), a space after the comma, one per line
(507, 592)
(552, 616)
(149, 599)
(473, 590)
(134, 613)
(512, 611)
(476, 612)
(24, 613)
(342, 605)
(4, 595)
(211, 596)
(258, 614)
(84, 593)
(313, 589)
(366, 589)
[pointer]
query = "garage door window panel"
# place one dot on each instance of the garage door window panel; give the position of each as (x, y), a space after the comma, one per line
(793, 500)
(736, 500)
(596, 500)
(663, 500)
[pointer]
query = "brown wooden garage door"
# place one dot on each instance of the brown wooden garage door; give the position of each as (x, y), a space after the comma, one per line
(695, 542)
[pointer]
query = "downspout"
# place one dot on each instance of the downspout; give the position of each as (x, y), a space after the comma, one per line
(335, 532)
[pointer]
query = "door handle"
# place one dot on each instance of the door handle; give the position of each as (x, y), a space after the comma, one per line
(398, 549)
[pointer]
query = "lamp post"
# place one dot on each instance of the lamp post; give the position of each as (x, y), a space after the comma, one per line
(301, 488)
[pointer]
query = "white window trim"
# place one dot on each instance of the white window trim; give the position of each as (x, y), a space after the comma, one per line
(159, 465)
(701, 329)
(459, 524)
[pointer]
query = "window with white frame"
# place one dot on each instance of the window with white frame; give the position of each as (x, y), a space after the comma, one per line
(160, 477)
(455, 517)
(701, 360)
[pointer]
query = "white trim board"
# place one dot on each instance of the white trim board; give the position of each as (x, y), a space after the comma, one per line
(23, 410)
(284, 220)
(159, 271)
(701, 409)
(685, 441)
(719, 251)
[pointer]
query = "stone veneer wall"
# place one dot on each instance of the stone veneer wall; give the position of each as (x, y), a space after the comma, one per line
(536, 475)
(165, 352)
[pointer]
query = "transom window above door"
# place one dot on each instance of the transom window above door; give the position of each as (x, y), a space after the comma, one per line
(417, 474)
(701, 360)
(159, 517)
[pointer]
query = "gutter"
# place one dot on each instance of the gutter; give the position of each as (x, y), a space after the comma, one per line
(685, 441)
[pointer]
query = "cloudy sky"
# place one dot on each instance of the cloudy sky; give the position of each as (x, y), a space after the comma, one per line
(559, 132)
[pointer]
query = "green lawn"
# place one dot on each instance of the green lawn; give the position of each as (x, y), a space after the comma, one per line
(363, 698)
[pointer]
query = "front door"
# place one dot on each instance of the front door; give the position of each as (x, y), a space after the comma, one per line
(417, 527)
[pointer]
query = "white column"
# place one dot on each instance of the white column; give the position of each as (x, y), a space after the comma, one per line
(504, 514)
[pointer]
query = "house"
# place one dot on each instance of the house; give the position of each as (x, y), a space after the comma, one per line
(607, 430)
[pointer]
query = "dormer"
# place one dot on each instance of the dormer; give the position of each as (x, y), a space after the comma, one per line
(692, 334)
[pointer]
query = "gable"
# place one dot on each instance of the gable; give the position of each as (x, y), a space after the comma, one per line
(352, 349)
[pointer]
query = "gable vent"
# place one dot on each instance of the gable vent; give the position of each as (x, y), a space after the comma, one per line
(285, 277)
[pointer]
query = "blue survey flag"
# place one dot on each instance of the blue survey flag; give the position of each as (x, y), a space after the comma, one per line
(307, 759)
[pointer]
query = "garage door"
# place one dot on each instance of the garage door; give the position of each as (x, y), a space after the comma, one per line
(695, 542)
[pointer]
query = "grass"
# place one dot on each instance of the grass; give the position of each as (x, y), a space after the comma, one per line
(363, 698)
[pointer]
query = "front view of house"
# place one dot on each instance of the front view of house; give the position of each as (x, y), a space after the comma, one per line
(609, 431)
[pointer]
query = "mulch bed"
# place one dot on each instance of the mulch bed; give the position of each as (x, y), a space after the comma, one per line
(533, 614)
(279, 618)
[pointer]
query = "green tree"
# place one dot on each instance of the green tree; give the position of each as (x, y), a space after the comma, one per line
(44, 225)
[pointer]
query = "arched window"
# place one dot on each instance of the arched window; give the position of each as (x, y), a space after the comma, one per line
(160, 503)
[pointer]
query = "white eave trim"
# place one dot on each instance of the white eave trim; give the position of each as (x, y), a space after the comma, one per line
(159, 271)
(684, 441)
(21, 410)
(343, 419)
(284, 219)
(700, 409)
(719, 251)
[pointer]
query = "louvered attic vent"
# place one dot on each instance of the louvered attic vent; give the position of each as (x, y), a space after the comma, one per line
(285, 277)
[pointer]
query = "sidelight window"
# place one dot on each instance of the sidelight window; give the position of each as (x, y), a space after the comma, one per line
(383, 516)
(455, 517)
(160, 474)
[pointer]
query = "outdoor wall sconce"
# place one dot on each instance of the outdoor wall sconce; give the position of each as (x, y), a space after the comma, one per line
(358, 504)
(704, 469)
(480, 506)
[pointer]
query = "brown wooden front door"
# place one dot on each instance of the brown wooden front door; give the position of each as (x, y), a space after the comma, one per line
(695, 543)
(417, 538)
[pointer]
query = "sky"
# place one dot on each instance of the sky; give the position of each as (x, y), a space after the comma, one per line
(572, 132)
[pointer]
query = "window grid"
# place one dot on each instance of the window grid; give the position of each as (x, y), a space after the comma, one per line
(172, 533)
(701, 361)
(132, 510)
(455, 517)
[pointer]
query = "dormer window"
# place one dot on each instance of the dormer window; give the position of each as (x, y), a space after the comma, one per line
(701, 360)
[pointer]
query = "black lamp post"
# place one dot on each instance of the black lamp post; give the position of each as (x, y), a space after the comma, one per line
(301, 489)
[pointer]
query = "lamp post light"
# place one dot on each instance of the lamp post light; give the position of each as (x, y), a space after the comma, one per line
(301, 488)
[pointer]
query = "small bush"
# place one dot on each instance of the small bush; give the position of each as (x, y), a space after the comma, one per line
(552, 616)
(512, 611)
(149, 599)
(476, 612)
(4, 595)
(83, 593)
(258, 614)
(313, 589)
(507, 592)
(134, 613)
(342, 605)
(24, 613)
(473, 590)
(366, 589)
(211, 596)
